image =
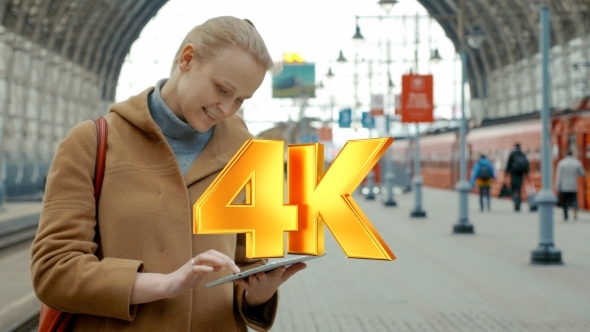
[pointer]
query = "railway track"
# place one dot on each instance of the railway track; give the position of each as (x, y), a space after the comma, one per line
(16, 234)
(18, 230)
(29, 323)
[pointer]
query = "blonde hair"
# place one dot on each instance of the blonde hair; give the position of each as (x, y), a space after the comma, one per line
(216, 33)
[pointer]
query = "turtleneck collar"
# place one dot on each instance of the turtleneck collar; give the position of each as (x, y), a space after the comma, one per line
(170, 124)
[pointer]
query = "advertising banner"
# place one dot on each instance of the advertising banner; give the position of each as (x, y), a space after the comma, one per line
(417, 101)
(296, 80)
(377, 104)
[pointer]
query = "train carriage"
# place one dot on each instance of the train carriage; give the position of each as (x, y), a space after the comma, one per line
(440, 152)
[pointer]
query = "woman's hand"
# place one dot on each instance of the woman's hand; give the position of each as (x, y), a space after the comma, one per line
(260, 287)
(189, 275)
(150, 287)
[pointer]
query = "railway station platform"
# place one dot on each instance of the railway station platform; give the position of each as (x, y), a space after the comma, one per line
(439, 281)
(18, 302)
(446, 282)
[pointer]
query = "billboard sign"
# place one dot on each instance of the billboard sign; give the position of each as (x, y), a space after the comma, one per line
(296, 80)
(417, 102)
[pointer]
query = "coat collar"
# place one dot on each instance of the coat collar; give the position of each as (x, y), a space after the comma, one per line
(228, 136)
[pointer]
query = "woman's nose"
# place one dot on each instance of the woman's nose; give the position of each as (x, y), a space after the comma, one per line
(226, 107)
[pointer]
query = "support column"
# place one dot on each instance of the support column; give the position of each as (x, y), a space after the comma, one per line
(546, 253)
(463, 226)
(417, 181)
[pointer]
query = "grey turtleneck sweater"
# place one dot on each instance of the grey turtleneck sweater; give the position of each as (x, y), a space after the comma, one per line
(186, 142)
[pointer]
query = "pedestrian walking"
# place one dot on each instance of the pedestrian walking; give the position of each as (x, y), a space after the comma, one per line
(483, 176)
(129, 261)
(518, 167)
(566, 182)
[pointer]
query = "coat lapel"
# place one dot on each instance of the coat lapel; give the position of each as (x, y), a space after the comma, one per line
(228, 137)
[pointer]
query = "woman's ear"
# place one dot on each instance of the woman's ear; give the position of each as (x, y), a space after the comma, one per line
(187, 55)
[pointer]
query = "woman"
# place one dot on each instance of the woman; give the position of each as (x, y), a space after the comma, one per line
(483, 177)
(138, 267)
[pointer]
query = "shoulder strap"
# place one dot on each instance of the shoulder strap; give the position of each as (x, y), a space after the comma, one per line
(101, 154)
(50, 319)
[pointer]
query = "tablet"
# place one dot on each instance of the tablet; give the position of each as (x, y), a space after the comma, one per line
(264, 268)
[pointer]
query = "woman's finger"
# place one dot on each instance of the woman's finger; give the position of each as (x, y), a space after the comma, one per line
(278, 272)
(202, 269)
(261, 277)
(292, 270)
(215, 258)
(253, 281)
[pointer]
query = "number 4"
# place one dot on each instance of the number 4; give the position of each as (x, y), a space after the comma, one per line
(314, 199)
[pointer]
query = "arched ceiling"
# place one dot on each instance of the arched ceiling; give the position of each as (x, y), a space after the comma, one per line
(98, 34)
(512, 30)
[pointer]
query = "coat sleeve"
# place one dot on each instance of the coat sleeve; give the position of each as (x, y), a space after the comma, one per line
(66, 273)
(260, 318)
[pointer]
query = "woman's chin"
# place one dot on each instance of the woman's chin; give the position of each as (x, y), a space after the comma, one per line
(200, 126)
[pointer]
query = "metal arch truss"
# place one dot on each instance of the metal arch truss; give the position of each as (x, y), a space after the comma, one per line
(505, 72)
(59, 65)
(61, 59)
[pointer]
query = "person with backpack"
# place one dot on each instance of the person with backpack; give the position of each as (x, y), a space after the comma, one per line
(517, 166)
(483, 176)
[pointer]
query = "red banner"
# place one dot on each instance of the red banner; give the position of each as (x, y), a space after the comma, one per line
(417, 101)
(325, 133)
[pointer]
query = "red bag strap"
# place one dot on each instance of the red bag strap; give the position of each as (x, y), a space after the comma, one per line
(51, 320)
(101, 154)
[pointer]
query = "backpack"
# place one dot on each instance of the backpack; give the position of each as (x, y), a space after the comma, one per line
(519, 164)
(484, 173)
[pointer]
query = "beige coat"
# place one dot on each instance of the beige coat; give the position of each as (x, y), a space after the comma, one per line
(145, 220)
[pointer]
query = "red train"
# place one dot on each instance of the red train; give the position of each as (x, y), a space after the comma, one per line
(440, 151)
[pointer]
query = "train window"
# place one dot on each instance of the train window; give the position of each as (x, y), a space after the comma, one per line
(537, 160)
(572, 144)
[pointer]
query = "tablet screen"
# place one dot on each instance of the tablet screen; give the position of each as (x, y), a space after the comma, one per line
(265, 268)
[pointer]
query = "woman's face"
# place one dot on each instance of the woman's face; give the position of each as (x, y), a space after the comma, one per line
(213, 89)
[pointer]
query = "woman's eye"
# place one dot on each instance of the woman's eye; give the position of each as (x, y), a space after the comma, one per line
(221, 90)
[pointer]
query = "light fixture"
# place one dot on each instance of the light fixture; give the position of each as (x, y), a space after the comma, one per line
(535, 5)
(390, 84)
(435, 58)
(358, 37)
(330, 74)
(580, 64)
(320, 85)
(476, 37)
(341, 58)
(387, 5)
